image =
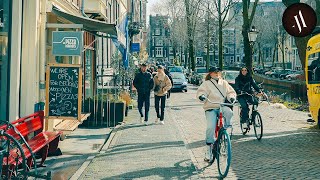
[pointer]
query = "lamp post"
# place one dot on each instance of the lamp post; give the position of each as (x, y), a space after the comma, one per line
(286, 50)
(252, 34)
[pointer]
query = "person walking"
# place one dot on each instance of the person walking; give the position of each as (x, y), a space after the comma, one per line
(216, 90)
(143, 82)
(162, 85)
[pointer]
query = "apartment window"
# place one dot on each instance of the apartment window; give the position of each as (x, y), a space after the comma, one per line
(157, 31)
(152, 55)
(170, 50)
(226, 50)
(159, 42)
(238, 58)
(231, 59)
(159, 52)
(231, 51)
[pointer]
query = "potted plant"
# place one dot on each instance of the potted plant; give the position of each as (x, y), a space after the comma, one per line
(114, 112)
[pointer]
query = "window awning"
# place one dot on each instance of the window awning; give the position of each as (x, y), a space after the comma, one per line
(88, 24)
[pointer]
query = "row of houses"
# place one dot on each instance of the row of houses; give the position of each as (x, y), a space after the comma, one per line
(160, 48)
(26, 41)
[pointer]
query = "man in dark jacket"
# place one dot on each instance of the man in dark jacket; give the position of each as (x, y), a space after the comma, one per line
(143, 82)
(244, 84)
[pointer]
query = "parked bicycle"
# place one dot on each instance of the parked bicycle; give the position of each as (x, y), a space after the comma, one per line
(255, 118)
(222, 147)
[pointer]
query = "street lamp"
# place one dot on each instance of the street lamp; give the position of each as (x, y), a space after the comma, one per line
(252, 34)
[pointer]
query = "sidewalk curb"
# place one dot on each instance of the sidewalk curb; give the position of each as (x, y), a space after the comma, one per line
(105, 145)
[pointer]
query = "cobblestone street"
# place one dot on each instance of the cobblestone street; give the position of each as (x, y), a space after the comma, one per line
(288, 149)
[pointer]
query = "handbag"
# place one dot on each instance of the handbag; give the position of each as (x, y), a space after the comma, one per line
(225, 98)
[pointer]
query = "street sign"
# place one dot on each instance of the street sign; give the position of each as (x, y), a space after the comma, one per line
(67, 43)
(135, 47)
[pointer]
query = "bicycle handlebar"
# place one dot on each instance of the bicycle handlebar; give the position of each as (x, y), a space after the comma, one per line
(220, 103)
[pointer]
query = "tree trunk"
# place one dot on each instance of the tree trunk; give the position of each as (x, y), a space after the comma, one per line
(274, 54)
(190, 36)
(246, 43)
(174, 48)
(220, 50)
(245, 28)
(259, 54)
(208, 41)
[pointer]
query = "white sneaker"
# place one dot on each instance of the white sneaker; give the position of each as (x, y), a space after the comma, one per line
(157, 120)
(162, 122)
(141, 119)
(208, 155)
(146, 123)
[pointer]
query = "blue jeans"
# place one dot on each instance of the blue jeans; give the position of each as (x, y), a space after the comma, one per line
(211, 117)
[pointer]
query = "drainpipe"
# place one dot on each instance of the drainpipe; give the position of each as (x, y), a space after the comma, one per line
(82, 9)
(42, 61)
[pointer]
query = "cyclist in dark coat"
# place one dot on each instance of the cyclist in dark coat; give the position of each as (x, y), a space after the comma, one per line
(143, 82)
(244, 83)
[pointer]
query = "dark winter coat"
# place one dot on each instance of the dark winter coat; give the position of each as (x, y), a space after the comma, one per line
(245, 83)
(143, 82)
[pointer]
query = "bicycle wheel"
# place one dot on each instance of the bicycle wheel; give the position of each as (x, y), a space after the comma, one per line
(257, 125)
(223, 153)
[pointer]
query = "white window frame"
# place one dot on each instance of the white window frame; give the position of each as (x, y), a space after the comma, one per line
(157, 31)
(159, 52)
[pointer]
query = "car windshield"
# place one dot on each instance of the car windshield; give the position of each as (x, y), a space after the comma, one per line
(175, 69)
(177, 76)
(201, 70)
(231, 75)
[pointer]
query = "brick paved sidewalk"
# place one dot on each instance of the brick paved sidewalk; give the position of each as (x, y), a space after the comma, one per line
(143, 152)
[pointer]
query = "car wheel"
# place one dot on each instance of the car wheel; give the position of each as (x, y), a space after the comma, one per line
(289, 78)
(186, 90)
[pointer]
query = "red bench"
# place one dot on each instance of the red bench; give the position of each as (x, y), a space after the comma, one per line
(31, 128)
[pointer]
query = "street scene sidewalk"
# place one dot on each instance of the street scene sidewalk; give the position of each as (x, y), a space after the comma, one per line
(143, 152)
(77, 150)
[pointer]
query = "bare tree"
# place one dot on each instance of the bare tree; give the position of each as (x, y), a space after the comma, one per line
(268, 26)
(222, 8)
(192, 12)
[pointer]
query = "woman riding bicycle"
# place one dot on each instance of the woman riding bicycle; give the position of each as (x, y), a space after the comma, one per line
(244, 84)
(215, 89)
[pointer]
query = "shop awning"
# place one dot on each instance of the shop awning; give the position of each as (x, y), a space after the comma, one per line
(88, 24)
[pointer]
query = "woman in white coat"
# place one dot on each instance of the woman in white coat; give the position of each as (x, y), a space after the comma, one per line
(216, 90)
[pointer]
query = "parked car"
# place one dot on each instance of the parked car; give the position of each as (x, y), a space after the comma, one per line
(199, 75)
(277, 72)
(294, 76)
(175, 69)
(179, 81)
(230, 76)
(284, 74)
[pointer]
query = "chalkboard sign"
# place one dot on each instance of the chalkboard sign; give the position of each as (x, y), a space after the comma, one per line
(64, 90)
